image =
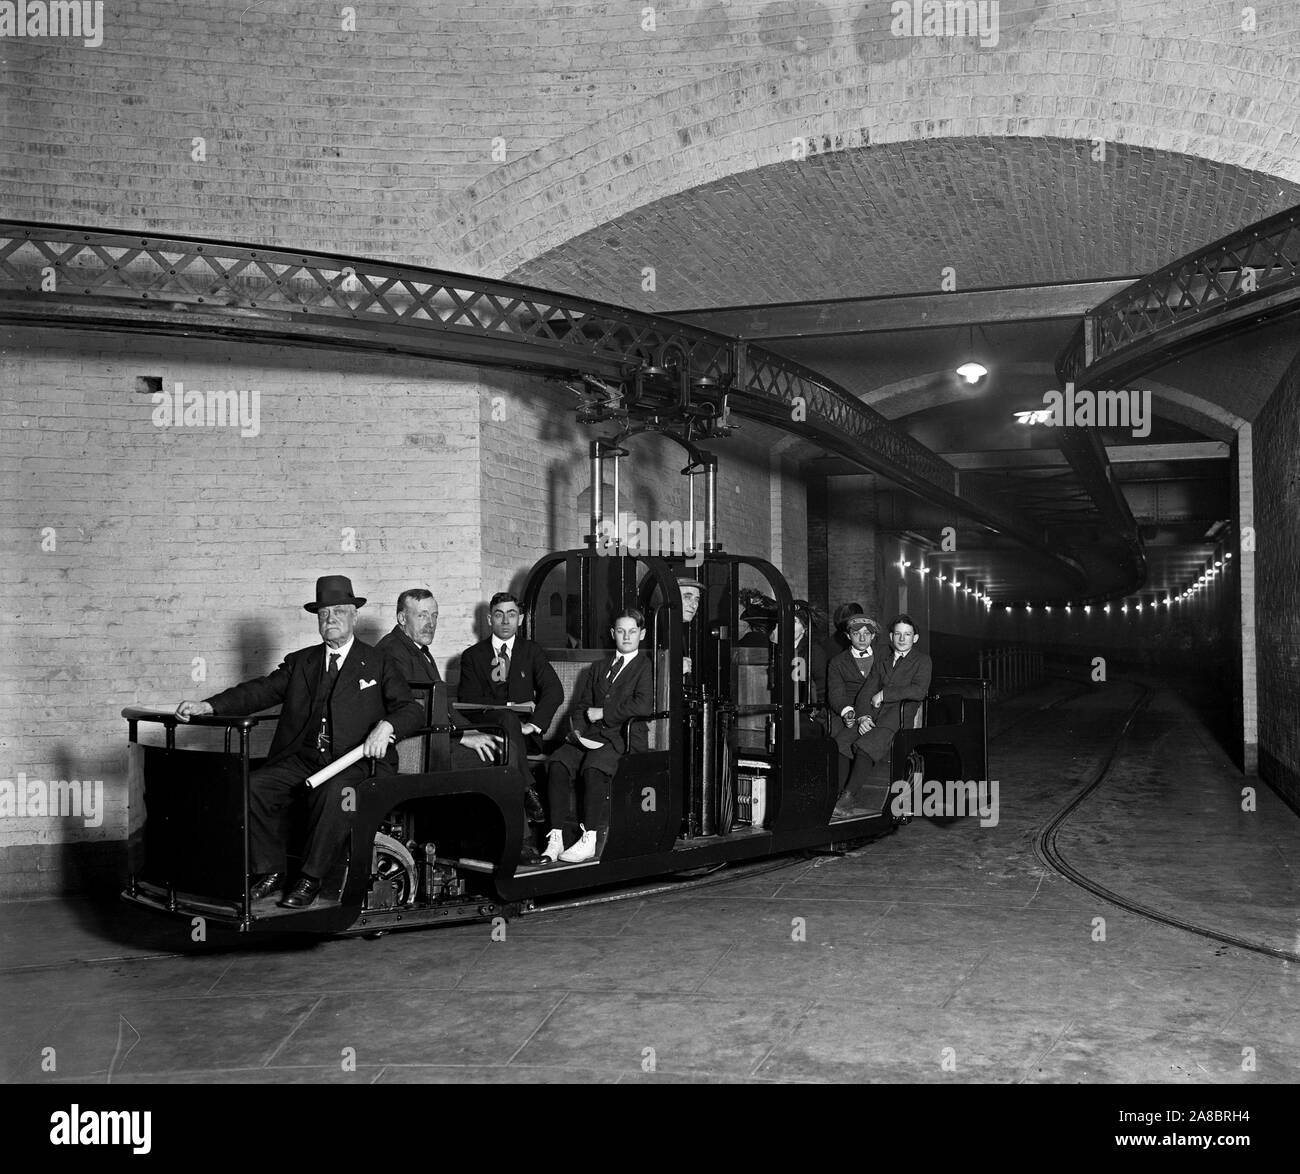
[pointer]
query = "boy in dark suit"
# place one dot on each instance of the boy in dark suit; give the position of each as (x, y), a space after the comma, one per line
(900, 675)
(358, 697)
(619, 687)
(847, 674)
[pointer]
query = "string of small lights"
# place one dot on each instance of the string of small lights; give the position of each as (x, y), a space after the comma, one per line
(1139, 604)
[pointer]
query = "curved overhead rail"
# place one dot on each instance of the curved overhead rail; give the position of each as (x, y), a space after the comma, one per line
(1242, 279)
(67, 276)
(1245, 277)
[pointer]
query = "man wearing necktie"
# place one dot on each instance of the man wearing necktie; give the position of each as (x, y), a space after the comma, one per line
(617, 688)
(507, 668)
(866, 729)
(407, 645)
(847, 674)
(334, 696)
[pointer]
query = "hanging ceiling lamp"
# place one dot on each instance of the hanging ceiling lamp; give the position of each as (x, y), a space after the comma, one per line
(972, 372)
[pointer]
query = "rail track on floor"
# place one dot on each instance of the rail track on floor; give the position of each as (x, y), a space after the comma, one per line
(1048, 854)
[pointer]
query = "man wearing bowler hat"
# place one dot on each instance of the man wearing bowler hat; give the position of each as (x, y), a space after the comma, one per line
(334, 696)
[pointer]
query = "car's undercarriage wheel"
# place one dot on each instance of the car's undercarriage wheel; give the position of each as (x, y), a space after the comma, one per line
(393, 863)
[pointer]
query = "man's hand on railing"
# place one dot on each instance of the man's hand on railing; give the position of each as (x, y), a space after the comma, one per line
(484, 745)
(188, 709)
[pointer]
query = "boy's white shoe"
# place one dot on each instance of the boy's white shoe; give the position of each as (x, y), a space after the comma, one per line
(554, 845)
(582, 851)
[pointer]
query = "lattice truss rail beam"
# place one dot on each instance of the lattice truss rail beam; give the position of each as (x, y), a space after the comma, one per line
(1250, 274)
(71, 276)
(1245, 277)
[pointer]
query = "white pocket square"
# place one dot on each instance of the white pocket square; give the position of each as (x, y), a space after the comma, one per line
(367, 684)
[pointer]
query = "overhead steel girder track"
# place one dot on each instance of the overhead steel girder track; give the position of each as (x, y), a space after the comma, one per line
(59, 275)
(894, 312)
(1243, 278)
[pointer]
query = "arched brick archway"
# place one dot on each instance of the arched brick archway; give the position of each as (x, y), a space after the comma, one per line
(1221, 102)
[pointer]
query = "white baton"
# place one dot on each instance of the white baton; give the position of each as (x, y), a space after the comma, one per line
(339, 764)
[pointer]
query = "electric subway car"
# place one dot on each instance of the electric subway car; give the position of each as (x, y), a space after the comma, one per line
(739, 767)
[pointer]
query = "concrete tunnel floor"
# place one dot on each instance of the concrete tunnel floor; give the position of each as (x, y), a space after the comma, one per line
(941, 953)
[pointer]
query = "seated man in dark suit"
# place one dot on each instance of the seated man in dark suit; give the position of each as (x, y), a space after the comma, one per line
(507, 669)
(358, 697)
(617, 688)
(407, 645)
(408, 642)
(903, 674)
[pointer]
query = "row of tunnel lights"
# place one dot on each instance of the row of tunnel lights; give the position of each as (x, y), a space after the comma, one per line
(903, 564)
(1206, 576)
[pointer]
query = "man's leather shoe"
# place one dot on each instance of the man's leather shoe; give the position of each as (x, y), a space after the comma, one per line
(533, 807)
(265, 885)
(554, 846)
(302, 894)
(529, 855)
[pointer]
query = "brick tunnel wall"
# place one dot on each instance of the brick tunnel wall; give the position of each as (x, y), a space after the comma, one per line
(1277, 585)
(148, 554)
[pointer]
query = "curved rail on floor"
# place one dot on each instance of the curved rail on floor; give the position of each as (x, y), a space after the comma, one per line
(1046, 851)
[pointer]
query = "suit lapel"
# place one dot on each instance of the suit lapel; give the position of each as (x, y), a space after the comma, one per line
(521, 665)
(604, 687)
(313, 665)
(518, 670)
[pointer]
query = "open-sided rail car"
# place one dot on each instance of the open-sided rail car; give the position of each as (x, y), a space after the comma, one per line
(738, 764)
(738, 767)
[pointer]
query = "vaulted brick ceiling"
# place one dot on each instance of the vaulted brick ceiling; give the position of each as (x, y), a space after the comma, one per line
(889, 220)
